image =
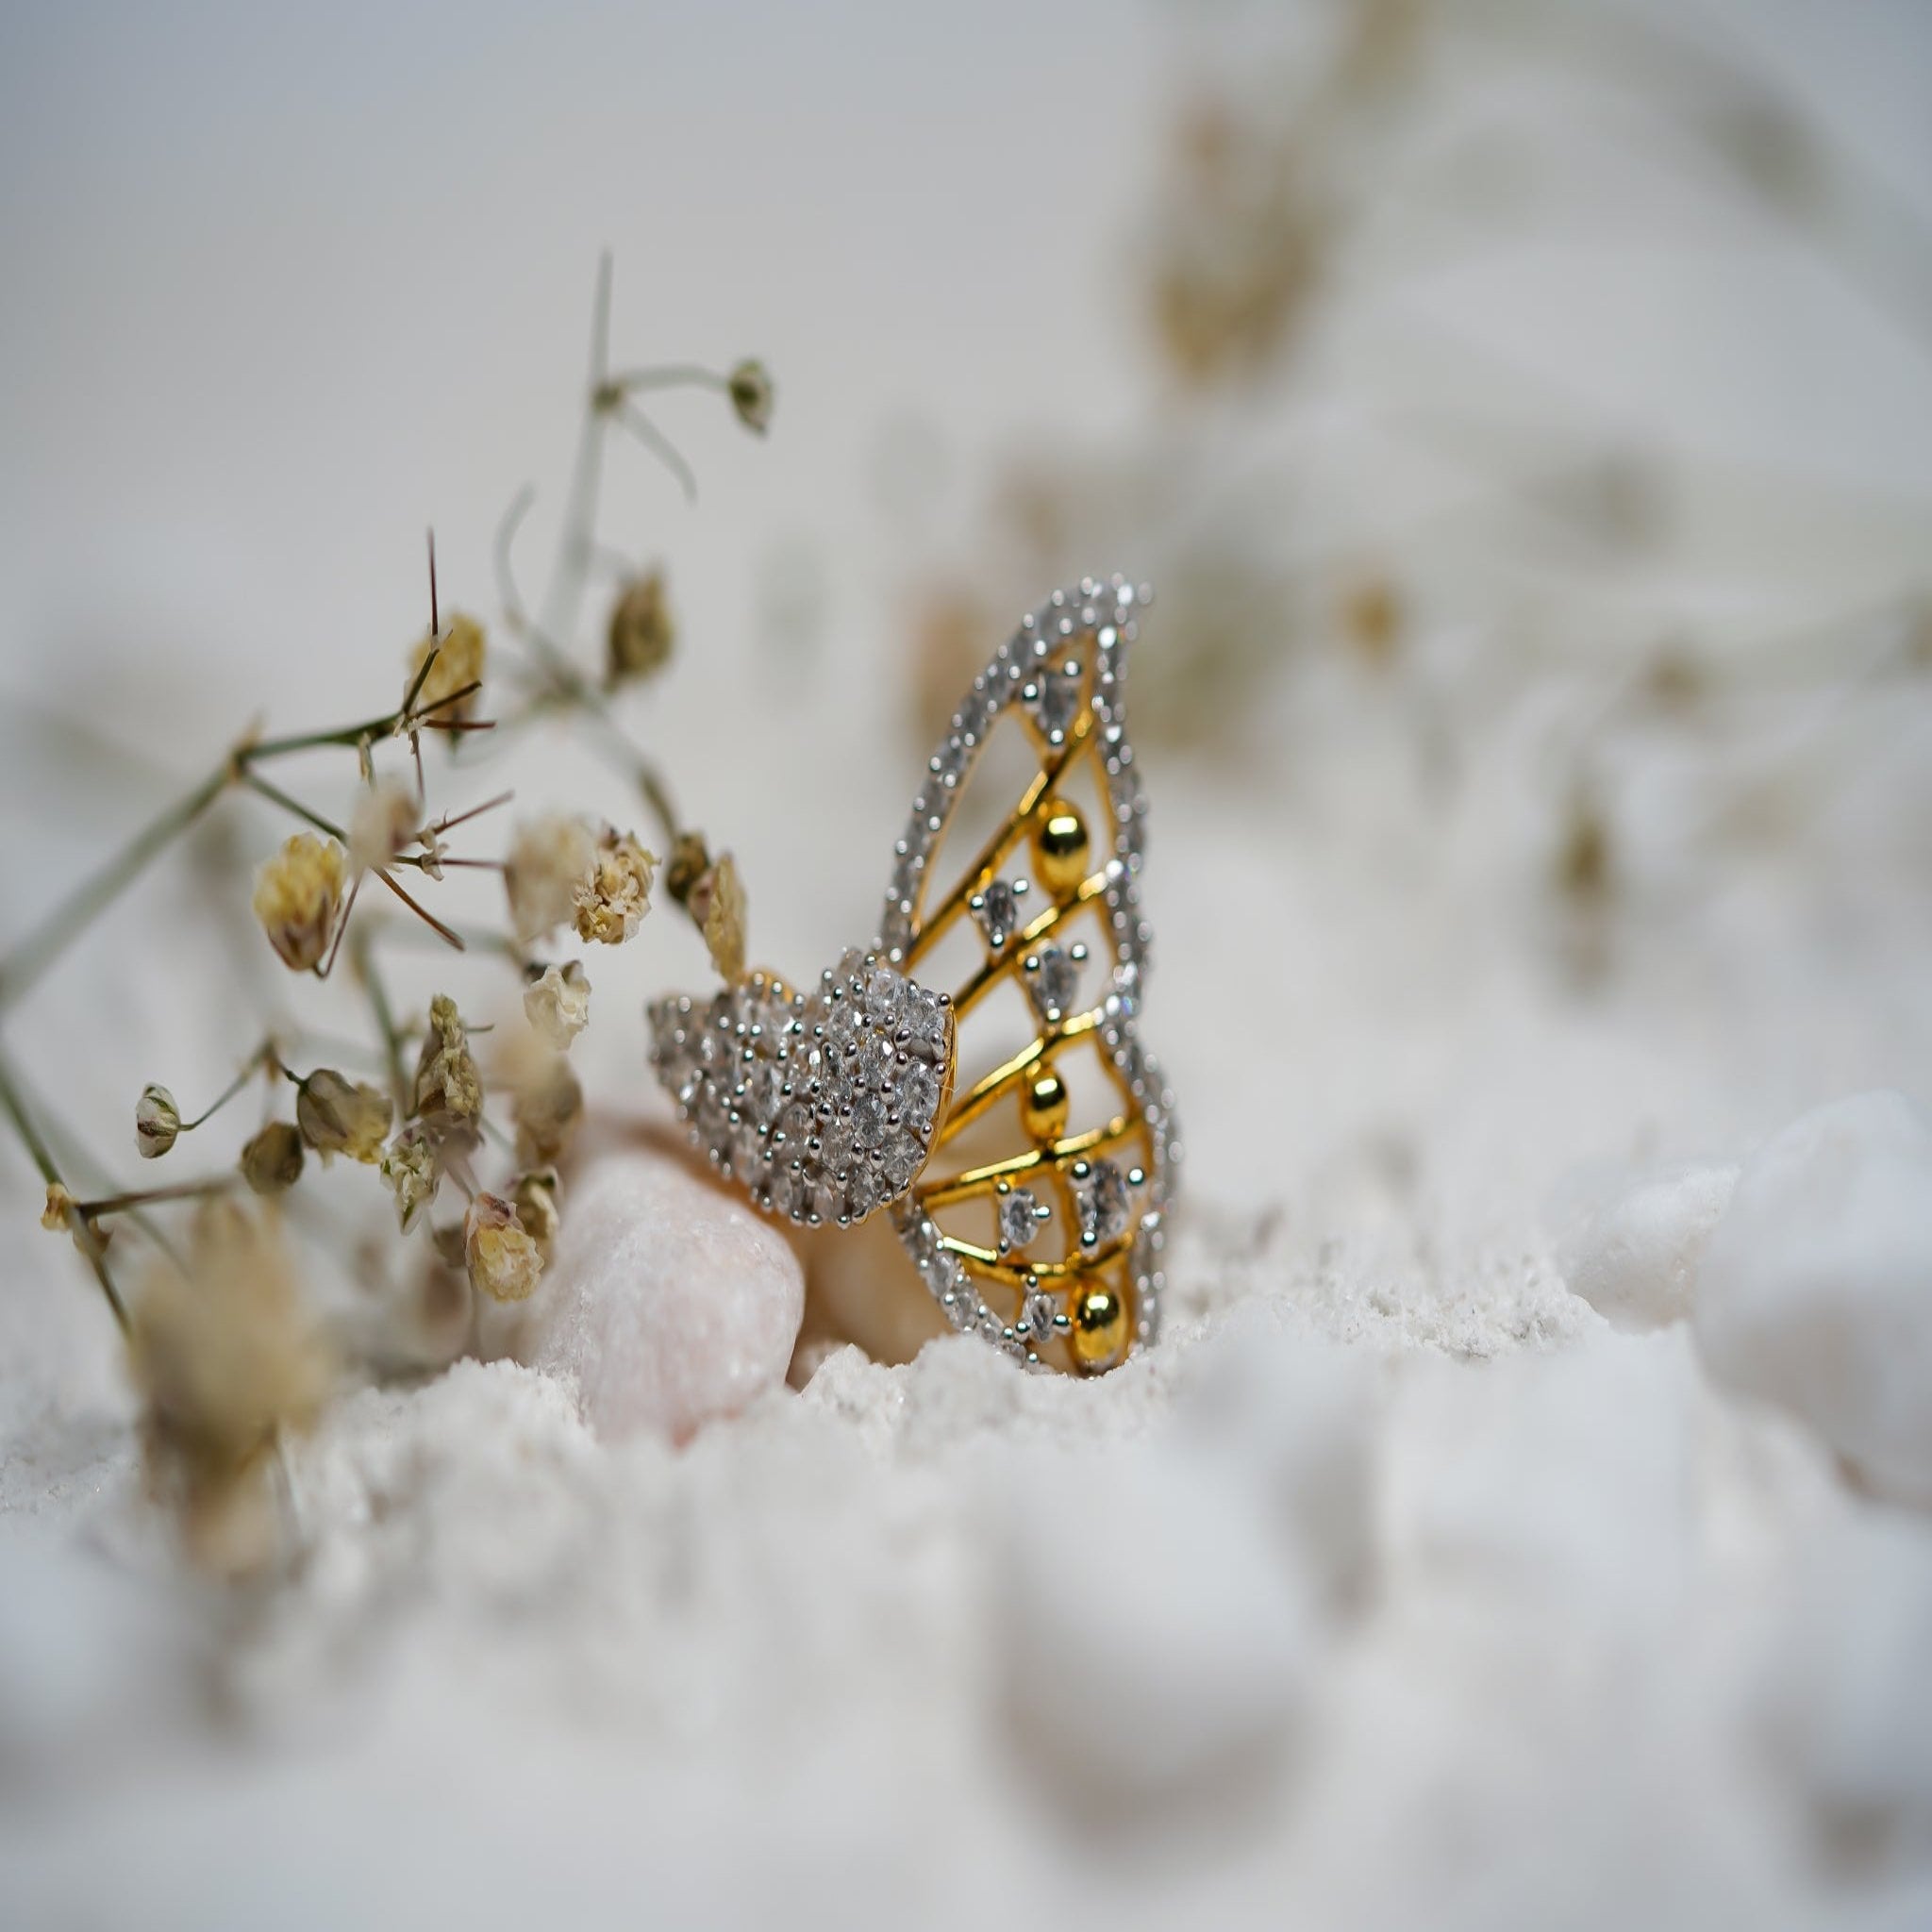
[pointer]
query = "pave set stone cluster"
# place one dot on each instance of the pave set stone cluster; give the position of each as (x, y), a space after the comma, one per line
(822, 1104)
(835, 1102)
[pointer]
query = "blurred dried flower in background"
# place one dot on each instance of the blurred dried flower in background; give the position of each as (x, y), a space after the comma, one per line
(642, 633)
(501, 1257)
(226, 1361)
(272, 1159)
(341, 1116)
(408, 1166)
(558, 1005)
(611, 898)
(749, 386)
(1371, 619)
(549, 859)
(298, 894)
(534, 1198)
(546, 1103)
(689, 859)
(459, 658)
(449, 1090)
(718, 904)
(157, 1121)
(386, 820)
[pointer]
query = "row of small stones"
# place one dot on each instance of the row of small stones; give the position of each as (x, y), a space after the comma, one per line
(993, 690)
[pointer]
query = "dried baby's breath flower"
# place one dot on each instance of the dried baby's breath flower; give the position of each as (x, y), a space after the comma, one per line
(548, 860)
(612, 897)
(717, 903)
(534, 1197)
(558, 1005)
(157, 1121)
(501, 1256)
(58, 1215)
(690, 860)
(226, 1360)
(340, 1116)
(752, 394)
(386, 819)
(1371, 618)
(409, 1165)
(298, 894)
(271, 1160)
(449, 1090)
(546, 1105)
(458, 662)
(643, 631)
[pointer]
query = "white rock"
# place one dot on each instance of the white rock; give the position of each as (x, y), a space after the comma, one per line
(1816, 1286)
(670, 1301)
(1156, 1643)
(1294, 1417)
(1845, 1695)
(1634, 1256)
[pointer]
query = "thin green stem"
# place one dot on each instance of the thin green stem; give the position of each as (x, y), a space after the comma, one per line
(266, 1051)
(147, 1198)
(276, 795)
(363, 959)
(83, 1235)
(32, 954)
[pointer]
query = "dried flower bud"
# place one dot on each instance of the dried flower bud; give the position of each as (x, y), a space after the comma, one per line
(386, 820)
(689, 862)
(546, 1107)
(298, 894)
(548, 860)
(409, 1165)
(558, 1005)
(642, 630)
(58, 1213)
(273, 1159)
(458, 662)
(157, 1121)
(449, 1090)
(534, 1198)
(226, 1360)
(502, 1258)
(338, 1116)
(717, 903)
(752, 394)
(613, 896)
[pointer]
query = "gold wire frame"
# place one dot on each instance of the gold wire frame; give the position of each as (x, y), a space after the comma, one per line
(1091, 1288)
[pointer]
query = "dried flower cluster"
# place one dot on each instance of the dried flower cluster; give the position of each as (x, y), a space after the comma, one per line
(224, 1354)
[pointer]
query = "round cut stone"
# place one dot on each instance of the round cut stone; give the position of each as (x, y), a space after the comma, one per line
(903, 1156)
(1052, 979)
(1019, 1217)
(1041, 1310)
(1102, 1193)
(919, 1093)
(867, 1120)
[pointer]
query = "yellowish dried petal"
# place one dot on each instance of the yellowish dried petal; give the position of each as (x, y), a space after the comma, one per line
(271, 1160)
(298, 894)
(385, 820)
(500, 1254)
(340, 1116)
(643, 631)
(611, 899)
(534, 1198)
(458, 662)
(546, 1106)
(449, 1090)
(558, 1005)
(548, 860)
(58, 1215)
(718, 904)
(409, 1165)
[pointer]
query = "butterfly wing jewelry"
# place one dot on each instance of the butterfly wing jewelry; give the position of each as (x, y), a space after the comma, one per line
(977, 1073)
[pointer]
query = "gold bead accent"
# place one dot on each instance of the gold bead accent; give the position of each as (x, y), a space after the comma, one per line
(1099, 1335)
(1060, 841)
(1044, 1105)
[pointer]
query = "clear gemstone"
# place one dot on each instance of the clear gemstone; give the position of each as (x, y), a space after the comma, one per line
(884, 989)
(842, 1022)
(919, 1093)
(867, 1120)
(764, 1090)
(1102, 1193)
(1057, 700)
(1040, 1311)
(1052, 979)
(924, 1021)
(862, 1192)
(877, 1059)
(1019, 1217)
(904, 1158)
(835, 1147)
(795, 1129)
(998, 910)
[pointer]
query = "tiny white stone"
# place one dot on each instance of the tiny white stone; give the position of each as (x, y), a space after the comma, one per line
(1633, 1252)
(1816, 1286)
(670, 1302)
